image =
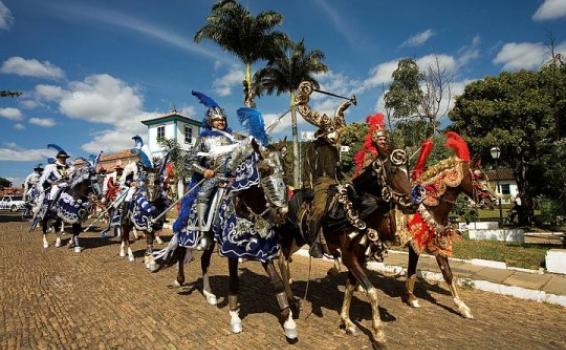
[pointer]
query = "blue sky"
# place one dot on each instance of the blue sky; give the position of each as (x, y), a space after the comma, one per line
(91, 70)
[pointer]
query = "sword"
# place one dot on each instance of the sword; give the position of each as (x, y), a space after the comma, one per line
(119, 198)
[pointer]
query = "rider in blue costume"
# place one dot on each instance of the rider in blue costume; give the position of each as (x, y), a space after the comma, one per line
(206, 162)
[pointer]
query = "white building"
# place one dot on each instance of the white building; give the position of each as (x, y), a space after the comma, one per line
(508, 188)
(173, 126)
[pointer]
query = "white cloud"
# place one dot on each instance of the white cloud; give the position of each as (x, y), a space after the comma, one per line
(100, 98)
(550, 9)
(6, 17)
(43, 122)
(11, 113)
(515, 56)
(188, 111)
(419, 38)
(469, 52)
(446, 63)
(14, 153)
(29, 104)
(223, 86)
(19, 126)
(48, 92)
(31, 68)
(338, 21)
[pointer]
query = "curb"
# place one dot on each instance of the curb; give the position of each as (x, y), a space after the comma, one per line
(480, 262)
(485, 286)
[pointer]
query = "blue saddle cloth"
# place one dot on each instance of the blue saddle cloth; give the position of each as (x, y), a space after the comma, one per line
(237, 237)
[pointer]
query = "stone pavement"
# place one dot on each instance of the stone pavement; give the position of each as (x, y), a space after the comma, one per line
(57, 299)
(547, 282)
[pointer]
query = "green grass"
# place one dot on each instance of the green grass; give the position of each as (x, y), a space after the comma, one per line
(513, 254)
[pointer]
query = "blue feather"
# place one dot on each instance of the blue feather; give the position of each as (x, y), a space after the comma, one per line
(50, 160)
(55, 147)
(143, 157)
(252, 120)
(138, 141)
(92, 159)
(205, 100)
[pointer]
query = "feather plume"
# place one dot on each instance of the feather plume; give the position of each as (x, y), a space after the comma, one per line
(252, 120)
(426, 148)
(55, 147)
(458, 145)
(50, 160)
(138, 141)
(205, 100)
(143, 157)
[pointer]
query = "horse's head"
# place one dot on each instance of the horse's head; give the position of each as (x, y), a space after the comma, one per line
(85, 180)
(475, 184)
(393, 179)
(272, 171)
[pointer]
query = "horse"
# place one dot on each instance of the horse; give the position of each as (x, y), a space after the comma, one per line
(148, 201)
(429, 227)
(72, 206)
(359, 226)
(243, 228)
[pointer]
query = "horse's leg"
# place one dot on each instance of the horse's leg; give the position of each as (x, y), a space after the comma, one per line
(44, 230)
(158, 238)
(76, 230)
(126, 236)
(148, 258)
(204, 264)
(294, 303)
(234, 289)
(289, 326)
(352, 262)
(335, 269)
(181, 252)
(59, 234)
(412, 278)
(449, 278)
(349, 326)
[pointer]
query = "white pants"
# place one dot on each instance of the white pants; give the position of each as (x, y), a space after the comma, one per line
(130, 194)
(55, 189)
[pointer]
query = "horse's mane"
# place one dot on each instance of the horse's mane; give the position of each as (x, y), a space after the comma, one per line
(446, 173)
(79, 175)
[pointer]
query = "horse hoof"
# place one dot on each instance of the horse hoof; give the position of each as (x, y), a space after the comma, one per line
(414, 303)
(158, 240)
(131, 258)
(45, 245)
(122, 253)
(177, 283)
(78, 249)
(210, 298)
(290, 328)
(58, 242)
(379, 338)
(153, 267)
(235, 322)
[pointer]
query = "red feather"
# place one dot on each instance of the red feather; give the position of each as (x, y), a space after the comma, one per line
(426, 148)
(375, 122)
(458, 145)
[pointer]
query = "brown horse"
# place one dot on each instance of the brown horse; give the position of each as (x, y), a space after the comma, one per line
(356, 232)
(430, 229)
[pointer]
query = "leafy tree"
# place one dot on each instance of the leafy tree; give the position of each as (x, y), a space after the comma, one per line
(405, 95)
(291, 65)
(5, 183)
(250, 38)
(516, 112)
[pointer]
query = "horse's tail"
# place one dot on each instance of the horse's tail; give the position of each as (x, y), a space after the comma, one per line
(289, 234)
(171, 254)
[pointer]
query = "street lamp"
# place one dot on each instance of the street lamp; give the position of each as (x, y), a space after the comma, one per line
(495, 154)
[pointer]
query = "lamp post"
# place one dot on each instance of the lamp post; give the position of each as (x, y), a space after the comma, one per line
(495, 154)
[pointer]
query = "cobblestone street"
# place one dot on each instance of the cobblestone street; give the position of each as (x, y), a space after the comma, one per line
(56, 299)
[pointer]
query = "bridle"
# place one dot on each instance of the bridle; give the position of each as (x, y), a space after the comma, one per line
(383, 169)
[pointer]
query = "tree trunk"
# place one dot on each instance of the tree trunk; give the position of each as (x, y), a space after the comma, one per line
(248, 88)
(295, 134)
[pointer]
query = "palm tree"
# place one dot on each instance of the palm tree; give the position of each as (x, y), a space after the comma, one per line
(179, 158)
(283, 74)
(250, 38)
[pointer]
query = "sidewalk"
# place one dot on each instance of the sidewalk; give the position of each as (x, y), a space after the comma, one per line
(546, 282)
(495, 278)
